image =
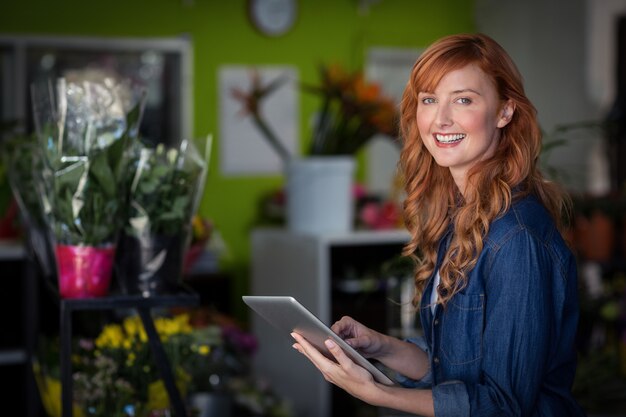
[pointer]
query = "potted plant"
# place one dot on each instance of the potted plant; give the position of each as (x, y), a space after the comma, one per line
(352, 112)
(164, 190)
(85, 131)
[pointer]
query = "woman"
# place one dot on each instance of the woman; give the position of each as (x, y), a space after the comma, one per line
(495, 282)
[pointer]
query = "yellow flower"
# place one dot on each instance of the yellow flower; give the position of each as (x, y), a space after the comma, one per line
(204, 350)
(167, 327)
(127, 344)
(134, 328)
(111, 337)
(130, 359)
(132, 325)
(157, 395)
(201, 229)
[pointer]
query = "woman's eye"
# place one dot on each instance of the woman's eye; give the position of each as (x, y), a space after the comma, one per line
(464, 100)
(428, 100)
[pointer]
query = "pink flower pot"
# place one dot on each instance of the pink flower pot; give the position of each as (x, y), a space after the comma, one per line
(84, 271)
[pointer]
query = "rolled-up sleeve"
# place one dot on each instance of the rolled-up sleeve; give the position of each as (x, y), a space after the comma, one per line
(427, 380)
(450, 398)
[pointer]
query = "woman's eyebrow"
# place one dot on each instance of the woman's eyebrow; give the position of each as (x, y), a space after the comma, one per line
(459, 91)
(466, 90)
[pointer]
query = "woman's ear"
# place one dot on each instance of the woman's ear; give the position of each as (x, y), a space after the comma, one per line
(506, 113)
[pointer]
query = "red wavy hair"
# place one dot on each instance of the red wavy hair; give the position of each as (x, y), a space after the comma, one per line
(433, 202)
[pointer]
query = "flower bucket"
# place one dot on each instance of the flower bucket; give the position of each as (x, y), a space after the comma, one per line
(319, 195)
(152, 265)
(84, 271)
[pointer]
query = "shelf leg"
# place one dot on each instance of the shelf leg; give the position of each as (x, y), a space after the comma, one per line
(67, 385)
(162, 362)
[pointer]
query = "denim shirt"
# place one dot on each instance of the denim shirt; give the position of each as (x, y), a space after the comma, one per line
(504, 345)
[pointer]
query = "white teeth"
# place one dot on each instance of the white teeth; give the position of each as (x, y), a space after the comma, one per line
(449, 138)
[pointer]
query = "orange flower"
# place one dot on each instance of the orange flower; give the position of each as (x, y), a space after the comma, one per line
(366, 92)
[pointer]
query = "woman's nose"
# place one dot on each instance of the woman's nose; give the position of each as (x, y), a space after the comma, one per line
(443, 116)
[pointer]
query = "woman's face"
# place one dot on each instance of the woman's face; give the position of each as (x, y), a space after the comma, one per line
(460, 121)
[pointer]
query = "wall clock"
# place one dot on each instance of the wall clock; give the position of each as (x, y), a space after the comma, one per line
(273, 17)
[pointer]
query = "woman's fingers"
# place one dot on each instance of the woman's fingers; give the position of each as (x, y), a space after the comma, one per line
(344, 327)
(321, 362)
(338, 373)
(340, 356)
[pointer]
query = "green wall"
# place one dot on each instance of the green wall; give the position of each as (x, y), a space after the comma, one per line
(326, 31)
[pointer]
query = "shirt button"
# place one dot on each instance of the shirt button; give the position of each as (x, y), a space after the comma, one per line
(436, 322)
(436, 360)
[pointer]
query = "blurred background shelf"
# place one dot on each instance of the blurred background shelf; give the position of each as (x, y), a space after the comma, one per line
(19, 309)
(306, 267)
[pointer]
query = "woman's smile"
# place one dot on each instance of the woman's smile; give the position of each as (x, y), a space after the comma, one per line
(447, 139)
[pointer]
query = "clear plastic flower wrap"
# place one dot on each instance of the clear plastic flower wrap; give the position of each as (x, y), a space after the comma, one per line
(165, 187)
(22, 157)
(86, 130)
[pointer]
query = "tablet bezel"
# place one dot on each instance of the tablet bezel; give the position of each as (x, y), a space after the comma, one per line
(288, 315)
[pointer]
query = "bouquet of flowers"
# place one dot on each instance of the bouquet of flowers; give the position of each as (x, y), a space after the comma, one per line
(23, 161)
(164, 191)
(352, 111)
(85, 130)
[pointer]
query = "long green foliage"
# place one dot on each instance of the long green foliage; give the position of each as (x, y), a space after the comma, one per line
(86, 192)
(165, 184)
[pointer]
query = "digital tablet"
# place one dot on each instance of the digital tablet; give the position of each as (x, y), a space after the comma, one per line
(288, 315)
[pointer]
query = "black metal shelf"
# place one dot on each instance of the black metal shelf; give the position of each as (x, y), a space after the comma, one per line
(18, 345)
(13, 356)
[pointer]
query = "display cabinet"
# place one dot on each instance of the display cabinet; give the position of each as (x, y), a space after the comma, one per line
(332, 275)
(163, 66)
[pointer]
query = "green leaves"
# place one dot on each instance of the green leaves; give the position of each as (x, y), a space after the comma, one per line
(164, 186)
(85, 151)
(86, 200)
(102, 174)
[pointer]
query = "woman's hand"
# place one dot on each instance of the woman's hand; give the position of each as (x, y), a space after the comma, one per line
(343, 373)
(368, 342)
(359, 383)
(398, 355)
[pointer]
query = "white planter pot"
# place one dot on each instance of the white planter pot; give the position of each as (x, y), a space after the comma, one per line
(319, 194)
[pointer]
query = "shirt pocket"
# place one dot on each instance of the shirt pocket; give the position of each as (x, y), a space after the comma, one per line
(462, 328)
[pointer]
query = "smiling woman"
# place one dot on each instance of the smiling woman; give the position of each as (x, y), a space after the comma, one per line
(496, 282)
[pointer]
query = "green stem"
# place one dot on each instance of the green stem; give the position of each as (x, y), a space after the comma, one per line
(321, 130)
(271, 137)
